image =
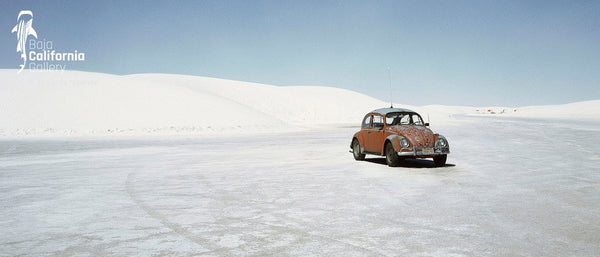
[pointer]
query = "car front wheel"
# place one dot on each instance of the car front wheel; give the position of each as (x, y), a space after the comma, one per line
(391, 157)
(356, 151)
(440, 160)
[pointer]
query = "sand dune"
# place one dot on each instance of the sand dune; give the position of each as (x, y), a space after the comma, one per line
(85, 103)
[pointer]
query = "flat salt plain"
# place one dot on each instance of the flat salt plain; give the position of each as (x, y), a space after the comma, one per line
(512, 187)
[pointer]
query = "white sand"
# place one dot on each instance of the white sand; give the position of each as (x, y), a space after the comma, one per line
(85, 103)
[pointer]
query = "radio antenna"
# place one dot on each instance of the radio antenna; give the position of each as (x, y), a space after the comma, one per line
(390, 79)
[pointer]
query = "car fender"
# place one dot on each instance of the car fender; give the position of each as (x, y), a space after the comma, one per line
(438, 136)
(361, 141)
(395, 140)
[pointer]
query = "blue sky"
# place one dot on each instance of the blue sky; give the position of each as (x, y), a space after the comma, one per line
(439, 52)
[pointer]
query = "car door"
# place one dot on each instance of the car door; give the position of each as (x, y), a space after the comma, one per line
(375, 133)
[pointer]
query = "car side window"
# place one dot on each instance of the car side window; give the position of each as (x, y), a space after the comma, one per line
(377, 121)
(367, 121)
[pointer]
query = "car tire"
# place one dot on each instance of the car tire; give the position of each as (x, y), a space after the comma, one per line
(356, 151)
(440, 160)
(391, 157)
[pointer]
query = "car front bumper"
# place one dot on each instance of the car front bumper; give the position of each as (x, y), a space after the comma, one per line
(423, 152)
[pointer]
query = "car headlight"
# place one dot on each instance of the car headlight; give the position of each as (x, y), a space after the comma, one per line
(442, 143)
(404, 143)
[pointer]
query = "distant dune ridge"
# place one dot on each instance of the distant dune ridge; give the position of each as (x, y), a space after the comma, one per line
(85, 103)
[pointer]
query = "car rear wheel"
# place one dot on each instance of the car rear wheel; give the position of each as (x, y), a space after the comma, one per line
(391, 157)
(356, 151)
(440, 160)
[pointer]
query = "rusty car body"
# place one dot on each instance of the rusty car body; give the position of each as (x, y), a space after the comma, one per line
(398, 134)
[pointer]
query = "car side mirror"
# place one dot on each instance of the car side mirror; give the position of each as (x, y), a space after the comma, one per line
(427, 124)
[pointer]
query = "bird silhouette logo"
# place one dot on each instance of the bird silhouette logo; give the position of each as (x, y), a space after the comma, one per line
(24, 29)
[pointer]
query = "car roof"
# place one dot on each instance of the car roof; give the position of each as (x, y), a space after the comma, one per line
(385, 111)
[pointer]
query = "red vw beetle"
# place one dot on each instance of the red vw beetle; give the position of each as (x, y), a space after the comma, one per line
(398, 134)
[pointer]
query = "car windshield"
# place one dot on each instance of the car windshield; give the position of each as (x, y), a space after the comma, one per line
(403, 118)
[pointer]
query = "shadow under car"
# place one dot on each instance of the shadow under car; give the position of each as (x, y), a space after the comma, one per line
(410, 163)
